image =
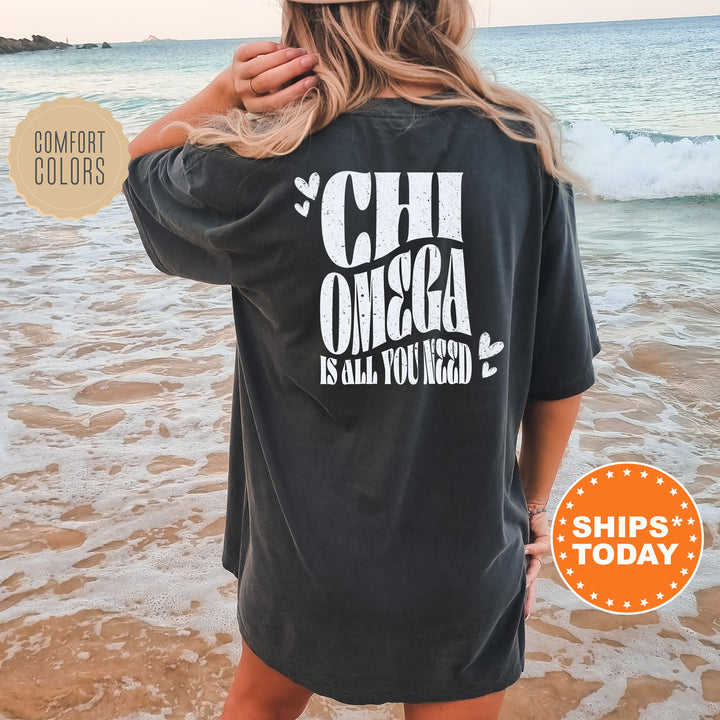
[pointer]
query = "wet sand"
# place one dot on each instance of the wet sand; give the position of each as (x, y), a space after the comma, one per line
(113, 601)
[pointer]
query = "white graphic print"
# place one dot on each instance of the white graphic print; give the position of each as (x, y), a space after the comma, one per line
(309, 189)
(304, 208)
(486, 350)
(403, 275)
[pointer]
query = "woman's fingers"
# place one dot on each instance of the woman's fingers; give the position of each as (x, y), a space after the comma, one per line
(539, 536)
(260, 64)
(282, 97)
(529, 599)
(246, 52)
(540, 546)
(533, 569)
(277, 76)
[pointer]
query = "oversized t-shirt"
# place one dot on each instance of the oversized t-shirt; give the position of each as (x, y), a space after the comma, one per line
(402, 283)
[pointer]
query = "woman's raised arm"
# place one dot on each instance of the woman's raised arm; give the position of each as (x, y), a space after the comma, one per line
(269, 65)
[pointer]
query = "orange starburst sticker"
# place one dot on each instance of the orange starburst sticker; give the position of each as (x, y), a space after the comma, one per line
(627, 538)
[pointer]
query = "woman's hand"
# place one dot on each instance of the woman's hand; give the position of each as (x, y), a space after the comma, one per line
(538, 546)
(268, 64)
(278, 75)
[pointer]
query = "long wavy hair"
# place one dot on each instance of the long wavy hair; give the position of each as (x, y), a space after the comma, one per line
(366, 48)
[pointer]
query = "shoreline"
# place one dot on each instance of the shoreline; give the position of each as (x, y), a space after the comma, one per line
(115, 492)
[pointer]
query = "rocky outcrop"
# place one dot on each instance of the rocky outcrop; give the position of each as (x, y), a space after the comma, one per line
(38, 42)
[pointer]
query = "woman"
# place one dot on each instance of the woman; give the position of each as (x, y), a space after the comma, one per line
(398, 234)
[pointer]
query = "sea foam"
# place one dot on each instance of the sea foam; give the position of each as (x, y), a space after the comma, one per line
(632, 165)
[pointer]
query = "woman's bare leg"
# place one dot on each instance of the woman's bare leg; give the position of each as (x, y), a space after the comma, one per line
(486, 707)
(260, 693)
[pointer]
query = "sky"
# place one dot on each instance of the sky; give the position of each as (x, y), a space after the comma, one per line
(133, 20)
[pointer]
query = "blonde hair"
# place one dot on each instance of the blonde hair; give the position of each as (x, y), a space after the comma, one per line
(368, 47)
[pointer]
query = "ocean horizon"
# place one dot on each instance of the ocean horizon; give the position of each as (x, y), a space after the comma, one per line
(478, 27)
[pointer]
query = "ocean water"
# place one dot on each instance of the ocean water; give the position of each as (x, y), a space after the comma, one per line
(115, 389)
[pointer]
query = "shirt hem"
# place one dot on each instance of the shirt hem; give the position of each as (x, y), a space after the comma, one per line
(568, 390)
(229, 567)
(375, 696)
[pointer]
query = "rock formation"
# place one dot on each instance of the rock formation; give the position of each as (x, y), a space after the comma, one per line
(38, 42)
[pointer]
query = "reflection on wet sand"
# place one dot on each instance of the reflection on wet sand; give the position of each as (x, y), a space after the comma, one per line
(113, 601)
(79, 426)
(549, 697)
(103, 666)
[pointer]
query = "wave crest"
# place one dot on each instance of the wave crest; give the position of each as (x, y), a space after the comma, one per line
(633, 165)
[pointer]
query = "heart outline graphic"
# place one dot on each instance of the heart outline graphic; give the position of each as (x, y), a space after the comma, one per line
(309, 188)
(486, 350)
(304, 208)
(488, 371)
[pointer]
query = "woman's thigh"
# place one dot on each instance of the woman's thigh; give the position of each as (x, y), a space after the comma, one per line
(486, 707)
(258, 692)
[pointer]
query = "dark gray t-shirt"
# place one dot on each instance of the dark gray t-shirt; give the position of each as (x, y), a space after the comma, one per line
(402, 283)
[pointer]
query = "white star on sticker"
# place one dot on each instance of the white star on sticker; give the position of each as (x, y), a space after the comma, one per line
(580, 586)
(691, 555)
(673, 491)
(563, 556)
(580, 491)
(609, 602)
(684, 571)
(659, 481)
(609, 473)
(569, 505)
(563, 521)
(683, 505)
(643, 602)
(593, 481)
(569, 571)
(660, 596)
(561, 538)
(693, 538)
(593, 596)
(673, 585)
(691, 521)
(626, 472)
(643, 474)
(626, 604)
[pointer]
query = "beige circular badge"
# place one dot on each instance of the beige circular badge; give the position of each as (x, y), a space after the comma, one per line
(68, 158)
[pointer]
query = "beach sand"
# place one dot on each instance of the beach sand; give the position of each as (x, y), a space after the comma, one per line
(113, 601)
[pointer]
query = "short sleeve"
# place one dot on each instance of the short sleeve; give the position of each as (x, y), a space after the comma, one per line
(172, 222)
(566, 338)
